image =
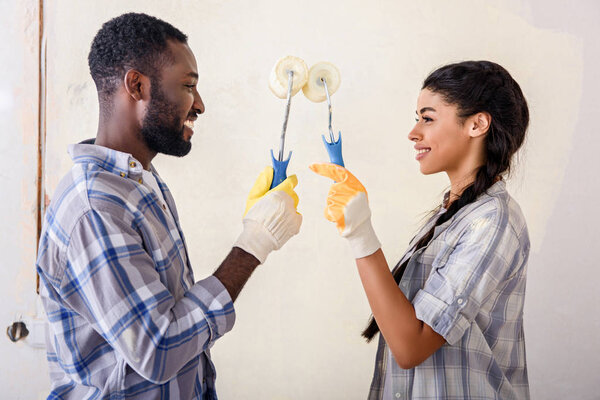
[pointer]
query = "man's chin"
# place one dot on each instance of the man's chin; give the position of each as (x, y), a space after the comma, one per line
(182, 149)
(157, 140)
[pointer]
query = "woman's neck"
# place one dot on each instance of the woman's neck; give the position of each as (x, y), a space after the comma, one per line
(457, 186)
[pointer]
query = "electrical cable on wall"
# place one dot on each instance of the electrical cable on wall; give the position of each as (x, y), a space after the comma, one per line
(41, 209)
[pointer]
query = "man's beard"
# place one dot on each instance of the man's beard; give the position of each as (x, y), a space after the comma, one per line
(160, 134)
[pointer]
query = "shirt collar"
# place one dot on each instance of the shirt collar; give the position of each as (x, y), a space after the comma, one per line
(116, 162)
(493, 190)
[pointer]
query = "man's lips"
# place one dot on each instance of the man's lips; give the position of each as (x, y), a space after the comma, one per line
(189, 123)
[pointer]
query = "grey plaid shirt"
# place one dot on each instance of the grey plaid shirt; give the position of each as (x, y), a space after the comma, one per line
(127, 319)
(468, 285)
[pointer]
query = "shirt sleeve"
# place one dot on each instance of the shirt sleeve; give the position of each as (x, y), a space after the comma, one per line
(461, 283)
(112, 282)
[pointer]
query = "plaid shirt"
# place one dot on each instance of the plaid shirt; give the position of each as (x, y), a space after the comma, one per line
(126, 318)
(468, 285)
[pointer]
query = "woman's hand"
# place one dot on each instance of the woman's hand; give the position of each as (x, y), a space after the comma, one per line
(348, 208)
(410, 340)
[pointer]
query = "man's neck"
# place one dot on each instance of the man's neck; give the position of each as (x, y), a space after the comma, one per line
(119, 135)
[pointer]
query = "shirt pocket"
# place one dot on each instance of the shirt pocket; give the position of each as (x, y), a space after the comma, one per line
(423, 263)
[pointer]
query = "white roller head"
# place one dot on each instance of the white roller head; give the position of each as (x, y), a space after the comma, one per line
(278, 81)
(314, 90)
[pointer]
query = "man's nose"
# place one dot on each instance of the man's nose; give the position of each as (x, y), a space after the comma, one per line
(198, 104)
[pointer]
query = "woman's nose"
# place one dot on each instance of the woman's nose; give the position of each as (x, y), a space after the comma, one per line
(414, 135)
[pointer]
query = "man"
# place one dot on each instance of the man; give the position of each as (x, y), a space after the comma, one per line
(126, 318)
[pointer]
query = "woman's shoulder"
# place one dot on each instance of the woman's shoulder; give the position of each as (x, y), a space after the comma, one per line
(497, 210)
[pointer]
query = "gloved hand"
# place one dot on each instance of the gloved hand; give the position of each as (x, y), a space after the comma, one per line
(348, 207)
(270, 219)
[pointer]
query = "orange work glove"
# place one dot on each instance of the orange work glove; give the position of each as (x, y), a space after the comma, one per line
(348, 207)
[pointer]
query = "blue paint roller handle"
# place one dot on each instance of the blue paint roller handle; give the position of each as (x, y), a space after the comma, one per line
(335, 150)
(279, 169)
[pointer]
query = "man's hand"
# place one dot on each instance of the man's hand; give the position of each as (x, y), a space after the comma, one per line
(270, 219)
(263, 183)
(348, 207)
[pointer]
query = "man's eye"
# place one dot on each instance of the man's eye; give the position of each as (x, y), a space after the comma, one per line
(190, 86)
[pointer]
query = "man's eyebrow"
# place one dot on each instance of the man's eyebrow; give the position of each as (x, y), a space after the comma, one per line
(192, 75)
(425, 109)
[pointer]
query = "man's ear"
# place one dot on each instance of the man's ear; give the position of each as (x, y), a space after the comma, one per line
(479, 124)
(137, 85)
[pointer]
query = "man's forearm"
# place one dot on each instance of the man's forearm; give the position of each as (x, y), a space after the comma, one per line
(235, 271)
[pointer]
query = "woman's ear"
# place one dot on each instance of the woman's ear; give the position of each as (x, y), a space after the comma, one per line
(480, 124)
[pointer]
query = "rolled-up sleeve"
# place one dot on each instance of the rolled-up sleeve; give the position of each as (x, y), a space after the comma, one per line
(112, 281)
(461, 283)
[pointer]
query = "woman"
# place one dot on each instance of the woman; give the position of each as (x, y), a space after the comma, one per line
(451, 312)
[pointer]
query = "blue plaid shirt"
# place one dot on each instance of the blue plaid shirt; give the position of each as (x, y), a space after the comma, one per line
(126, 319)
(468, 285)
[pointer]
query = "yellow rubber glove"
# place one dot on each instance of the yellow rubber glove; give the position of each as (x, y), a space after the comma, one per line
(263, 183)
(270, 219)
(348, 207)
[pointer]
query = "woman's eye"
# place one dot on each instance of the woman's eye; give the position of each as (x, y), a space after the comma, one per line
(426, 119)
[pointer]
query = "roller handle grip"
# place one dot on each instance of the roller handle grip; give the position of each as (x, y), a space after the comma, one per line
(334, 150)
(279, 170)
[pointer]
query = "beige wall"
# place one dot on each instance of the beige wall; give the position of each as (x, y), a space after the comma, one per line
(299, 318)
(23, 368)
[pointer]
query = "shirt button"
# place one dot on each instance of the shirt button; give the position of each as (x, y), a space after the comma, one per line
(460, 301)
(132, 164)
(141, 181)
(164, 207)
(123, 174)
(404, 284)
(398, 395)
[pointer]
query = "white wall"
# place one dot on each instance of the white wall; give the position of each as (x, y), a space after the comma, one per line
(22, 368)
(299, 317)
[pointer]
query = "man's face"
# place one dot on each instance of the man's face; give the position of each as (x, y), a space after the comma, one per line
(174, 104)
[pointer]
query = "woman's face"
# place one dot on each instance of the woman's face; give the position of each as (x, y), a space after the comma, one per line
(442, 143)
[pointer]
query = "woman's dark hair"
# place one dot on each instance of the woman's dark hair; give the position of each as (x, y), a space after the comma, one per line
(477, 86)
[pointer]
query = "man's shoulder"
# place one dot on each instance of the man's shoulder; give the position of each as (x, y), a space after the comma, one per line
(86, 190)
(88, 187)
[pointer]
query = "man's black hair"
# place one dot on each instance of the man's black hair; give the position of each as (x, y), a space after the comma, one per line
(129, 41)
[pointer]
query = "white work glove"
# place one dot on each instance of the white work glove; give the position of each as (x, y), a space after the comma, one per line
(271, 218)
(348, 207)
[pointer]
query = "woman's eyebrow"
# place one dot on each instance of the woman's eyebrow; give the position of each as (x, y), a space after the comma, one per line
(425, 109)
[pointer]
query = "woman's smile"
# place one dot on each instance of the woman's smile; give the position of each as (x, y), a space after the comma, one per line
(421, 152)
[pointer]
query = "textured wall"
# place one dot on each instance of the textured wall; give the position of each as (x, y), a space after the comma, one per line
(299, 318)
(20, 364)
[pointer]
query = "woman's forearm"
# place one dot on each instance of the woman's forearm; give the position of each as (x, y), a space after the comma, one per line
(410, 341)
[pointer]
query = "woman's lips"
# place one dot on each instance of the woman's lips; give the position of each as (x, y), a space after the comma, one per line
(422, 153)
